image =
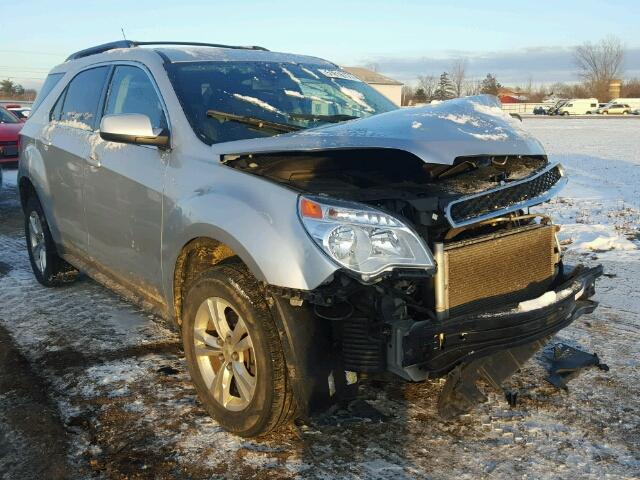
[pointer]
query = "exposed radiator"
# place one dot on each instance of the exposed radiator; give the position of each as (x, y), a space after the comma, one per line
(488, 271)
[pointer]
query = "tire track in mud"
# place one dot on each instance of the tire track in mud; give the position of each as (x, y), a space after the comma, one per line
(33, 438)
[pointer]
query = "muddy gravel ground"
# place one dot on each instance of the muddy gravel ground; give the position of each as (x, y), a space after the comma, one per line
(92, 387)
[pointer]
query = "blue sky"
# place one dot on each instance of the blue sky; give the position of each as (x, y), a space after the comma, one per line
(515, 40)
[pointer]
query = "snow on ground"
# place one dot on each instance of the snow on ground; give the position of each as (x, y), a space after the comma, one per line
(112, 397)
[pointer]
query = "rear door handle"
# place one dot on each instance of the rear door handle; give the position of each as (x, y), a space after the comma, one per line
(94, 160)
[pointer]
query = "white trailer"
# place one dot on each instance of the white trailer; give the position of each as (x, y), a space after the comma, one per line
(579, 106)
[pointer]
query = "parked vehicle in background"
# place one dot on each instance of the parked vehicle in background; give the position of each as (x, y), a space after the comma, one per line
(540, 110)
(10, 127)
(579, 106)
(555, 108)
(616, 109)
(21, 112)
(297, 226)
(636, 111)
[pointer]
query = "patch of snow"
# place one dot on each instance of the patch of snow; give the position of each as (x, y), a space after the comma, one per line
(309, 72)
(293, 93)
(461, 119)
(594, 238)
(256, 101)
(416, 125)
(487, 136)
(357, 97)
(291, 75)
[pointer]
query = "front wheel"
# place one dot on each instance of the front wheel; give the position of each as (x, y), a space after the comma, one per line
(49, 269)
(234, 354)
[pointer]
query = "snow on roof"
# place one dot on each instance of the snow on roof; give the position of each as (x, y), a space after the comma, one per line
(369, 76)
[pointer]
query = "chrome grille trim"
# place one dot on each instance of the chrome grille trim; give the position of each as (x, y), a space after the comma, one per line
(518, 205)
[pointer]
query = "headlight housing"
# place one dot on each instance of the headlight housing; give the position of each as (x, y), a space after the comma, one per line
(362, 239)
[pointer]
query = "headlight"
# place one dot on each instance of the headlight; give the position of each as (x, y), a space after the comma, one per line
(361, 238)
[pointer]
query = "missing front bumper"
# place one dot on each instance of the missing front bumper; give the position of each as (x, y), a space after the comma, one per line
(422, 349)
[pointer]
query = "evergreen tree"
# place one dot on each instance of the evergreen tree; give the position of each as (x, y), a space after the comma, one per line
(490, 85)
(420, 96)
(445, 90)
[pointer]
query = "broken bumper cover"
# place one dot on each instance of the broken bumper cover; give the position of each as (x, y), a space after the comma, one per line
(428, 349)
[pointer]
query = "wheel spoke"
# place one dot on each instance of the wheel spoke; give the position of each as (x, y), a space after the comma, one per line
(206, 344)
(238, 332)
(244, 344)
(216, 312)
(222, 384)
(244, 381)
(34, 224)
(43, 258)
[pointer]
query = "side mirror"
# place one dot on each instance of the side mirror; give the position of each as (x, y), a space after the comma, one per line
(133, 128)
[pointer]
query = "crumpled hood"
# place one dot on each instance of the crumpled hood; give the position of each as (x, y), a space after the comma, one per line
(434, 133)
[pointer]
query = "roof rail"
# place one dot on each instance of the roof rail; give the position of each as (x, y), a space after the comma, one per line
(131, 43)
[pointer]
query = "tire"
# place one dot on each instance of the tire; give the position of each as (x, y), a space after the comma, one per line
(49, 269)
(605, 113)
(565, 114)
(247, 391)
(625, 113)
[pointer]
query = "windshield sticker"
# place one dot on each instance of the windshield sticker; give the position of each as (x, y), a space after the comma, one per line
(341, 74)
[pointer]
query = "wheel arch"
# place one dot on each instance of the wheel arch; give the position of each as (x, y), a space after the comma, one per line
(197, 255)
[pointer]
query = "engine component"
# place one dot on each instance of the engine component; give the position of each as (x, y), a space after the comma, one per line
(362, 347)
(508, 266)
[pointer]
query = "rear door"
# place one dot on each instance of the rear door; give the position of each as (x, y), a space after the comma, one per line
(124, 188)
(64, 147)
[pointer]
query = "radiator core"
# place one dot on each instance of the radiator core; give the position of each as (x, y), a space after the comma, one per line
(488, 271)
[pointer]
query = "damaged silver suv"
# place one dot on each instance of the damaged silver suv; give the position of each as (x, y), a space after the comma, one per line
(301, 230)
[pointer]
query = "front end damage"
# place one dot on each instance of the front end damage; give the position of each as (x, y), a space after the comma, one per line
(495, 291)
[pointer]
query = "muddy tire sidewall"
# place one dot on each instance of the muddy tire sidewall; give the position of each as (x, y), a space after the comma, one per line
(227, 283)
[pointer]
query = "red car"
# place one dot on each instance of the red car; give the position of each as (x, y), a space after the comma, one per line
(10, 127)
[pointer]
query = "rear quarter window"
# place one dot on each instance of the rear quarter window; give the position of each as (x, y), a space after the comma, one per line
(50, 82)
(82, 98)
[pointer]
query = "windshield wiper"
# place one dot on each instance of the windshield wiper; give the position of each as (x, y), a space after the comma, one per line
(254, 122)
(323, 118)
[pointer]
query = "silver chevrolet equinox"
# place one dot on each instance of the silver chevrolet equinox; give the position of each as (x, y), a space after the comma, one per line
(302, 232)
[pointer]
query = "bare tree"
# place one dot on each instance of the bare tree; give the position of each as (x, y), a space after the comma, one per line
(458, 75)
(472, 87)
(600, 63)
(408, 93)
(428, 84)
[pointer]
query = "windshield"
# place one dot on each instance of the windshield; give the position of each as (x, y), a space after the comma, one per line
(302, 96)
(6, 117)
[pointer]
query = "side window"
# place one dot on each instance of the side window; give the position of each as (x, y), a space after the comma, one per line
(131, 91)
(82, 99)
(56, 111)
(51, 81)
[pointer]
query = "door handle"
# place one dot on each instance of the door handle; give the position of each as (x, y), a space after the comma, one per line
(94, 160)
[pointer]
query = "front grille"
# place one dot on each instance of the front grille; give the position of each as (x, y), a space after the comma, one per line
(461, 211)
(501, 268)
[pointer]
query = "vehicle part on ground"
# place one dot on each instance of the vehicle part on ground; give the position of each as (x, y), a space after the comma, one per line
(566, 362)
(461, 393)
(49, 269)
(234, 353)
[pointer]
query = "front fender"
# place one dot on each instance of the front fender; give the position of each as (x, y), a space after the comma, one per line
(257, 219)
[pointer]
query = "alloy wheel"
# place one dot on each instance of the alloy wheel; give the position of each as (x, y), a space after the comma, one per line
(37, 241)
(225, 354)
